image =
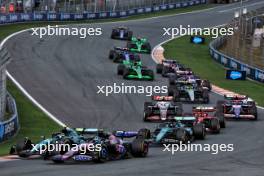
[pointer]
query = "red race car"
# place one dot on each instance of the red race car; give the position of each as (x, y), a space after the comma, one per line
(207, 116)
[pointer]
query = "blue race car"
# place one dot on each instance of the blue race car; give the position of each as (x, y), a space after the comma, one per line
(109, 146)
(121, 33)
(118, 55)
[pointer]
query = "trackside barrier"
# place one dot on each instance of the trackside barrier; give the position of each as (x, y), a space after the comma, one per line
(229, 62)
(9, 127)
(38, 16)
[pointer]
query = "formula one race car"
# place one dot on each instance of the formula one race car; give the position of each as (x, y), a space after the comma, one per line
(184, 129)
(140, 45)
(134, 70)
(24, 148)
(122, 33)
(168, 67)
(237, 107)
(207, 116)
(110, 146)
(161, 109)
(119, 54)
(190, 92)
(191, 78)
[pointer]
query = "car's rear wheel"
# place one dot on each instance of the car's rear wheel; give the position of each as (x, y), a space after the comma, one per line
(159, 68)
(199, 131)
(120, 69)
(215, 125)
(139, 148)
(23, 145)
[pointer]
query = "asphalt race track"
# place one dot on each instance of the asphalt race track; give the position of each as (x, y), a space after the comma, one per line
(62, 74)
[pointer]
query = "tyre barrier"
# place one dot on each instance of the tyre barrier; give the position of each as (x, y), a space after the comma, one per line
(232, 63)
(53, 16)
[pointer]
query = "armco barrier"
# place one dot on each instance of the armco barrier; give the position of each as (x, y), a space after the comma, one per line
(229, 62)
(10, 127)
(37, 16)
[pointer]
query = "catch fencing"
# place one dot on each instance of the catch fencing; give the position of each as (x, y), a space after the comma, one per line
(230, 62)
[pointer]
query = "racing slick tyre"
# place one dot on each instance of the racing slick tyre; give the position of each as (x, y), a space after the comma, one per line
(129, 35)
(172, 79)
(147, 47)
(112, 54)
(102, 155)
(181, 135)
(139, 148)
(179, 109)
(206, 97)
(147, 111)
(207, 84)
(143, 133)
(159, 68)
(165, 70)
(173, 91)
(222, 121)
(120, 69)
(23, 145)
(215, 125)
(254, 111)
(220, 113)
(199, 131)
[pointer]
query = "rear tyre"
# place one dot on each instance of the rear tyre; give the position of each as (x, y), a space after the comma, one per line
(144, 133)
(172, 79)
(199, 131)
(215, 125)
(120, 69)
(220, 113)
(206, 97)
(180, 134)
(139, 148)
(23, 145)
(179, 109)
(159, 68)
(111, 54)
(147, 111)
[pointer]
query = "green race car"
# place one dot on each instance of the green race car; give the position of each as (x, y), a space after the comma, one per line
(140, 45)
(134, 70)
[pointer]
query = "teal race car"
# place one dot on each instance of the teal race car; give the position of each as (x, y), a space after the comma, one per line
(134, 70)
(140, 45)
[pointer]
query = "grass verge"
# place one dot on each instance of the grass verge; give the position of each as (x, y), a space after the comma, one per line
(34, 123)
(198, 58)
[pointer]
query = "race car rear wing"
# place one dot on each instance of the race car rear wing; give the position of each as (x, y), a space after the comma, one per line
(235, 97)
(185, 118)
(125, 134)
(162, 98)
(88, 130)
(121, 48)
(204, 109)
